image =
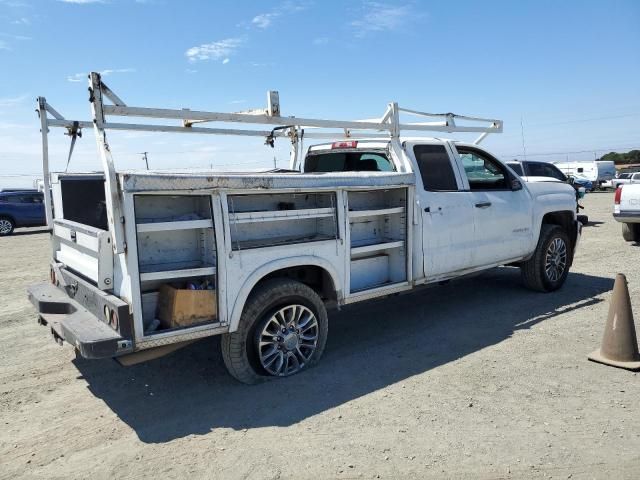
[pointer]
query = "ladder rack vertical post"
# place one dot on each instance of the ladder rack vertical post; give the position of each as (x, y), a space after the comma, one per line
(394, 119)
(114, 210)
(44, 129)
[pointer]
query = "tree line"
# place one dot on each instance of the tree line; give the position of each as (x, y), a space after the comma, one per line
(632, 156)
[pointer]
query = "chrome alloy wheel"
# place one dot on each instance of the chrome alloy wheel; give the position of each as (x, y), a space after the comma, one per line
(5, 226)
(288, 340)
(556, 259)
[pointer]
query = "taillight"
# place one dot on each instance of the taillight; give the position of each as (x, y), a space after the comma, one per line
(616, 198)
(113, 321)
(346, 144)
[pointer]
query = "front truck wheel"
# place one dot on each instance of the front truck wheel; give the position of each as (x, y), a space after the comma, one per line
(631, 232)
(282, 331)
(548, 268)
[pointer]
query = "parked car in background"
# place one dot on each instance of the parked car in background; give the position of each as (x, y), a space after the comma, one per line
(21, 208)
(623, 179)
(626, 210)
(532, 171)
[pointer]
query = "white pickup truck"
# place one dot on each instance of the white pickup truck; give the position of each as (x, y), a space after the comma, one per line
(257, 258)
(626, 210)
(623, 179)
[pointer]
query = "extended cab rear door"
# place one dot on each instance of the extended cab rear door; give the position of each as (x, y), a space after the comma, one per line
(446, 209)
(502, 207)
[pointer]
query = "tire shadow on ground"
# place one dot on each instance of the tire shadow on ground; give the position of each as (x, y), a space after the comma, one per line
(370, 346)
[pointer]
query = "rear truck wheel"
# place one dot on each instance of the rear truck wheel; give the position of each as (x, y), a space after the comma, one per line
(548, 268)
(6, 226)
(282, 331)
(631, 232)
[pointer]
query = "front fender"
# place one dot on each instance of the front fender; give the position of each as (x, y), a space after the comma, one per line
(264, 270)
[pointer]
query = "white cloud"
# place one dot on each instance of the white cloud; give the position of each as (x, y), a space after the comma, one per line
(4, 46)
(82, 77)
(381, 17)
(220, 50)
(82, 2)
(262, 64)
(12, 101)
(22, 21)
(116, 70)
(14, 37)
(225, 61)
(264, 20)
(321, 41)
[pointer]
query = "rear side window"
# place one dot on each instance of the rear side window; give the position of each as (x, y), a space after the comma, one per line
(435, 168)
(353, 161)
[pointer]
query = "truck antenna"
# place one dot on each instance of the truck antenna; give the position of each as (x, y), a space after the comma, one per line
(524, 148)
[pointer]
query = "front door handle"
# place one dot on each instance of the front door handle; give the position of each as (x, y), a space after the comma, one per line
(483, 205)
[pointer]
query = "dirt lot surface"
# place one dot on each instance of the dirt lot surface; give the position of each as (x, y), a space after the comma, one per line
(475, 379)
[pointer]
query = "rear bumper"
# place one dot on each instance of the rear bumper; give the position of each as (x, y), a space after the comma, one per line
(627, 217)
(73, 323)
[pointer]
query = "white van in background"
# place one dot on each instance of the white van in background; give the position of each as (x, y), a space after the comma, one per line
(597, 171)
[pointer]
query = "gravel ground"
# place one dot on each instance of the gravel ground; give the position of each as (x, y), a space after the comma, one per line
(475, 379)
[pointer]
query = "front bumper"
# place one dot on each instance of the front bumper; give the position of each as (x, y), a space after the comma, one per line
(71, 322)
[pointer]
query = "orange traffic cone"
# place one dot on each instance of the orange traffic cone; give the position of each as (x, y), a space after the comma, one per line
(619, 344)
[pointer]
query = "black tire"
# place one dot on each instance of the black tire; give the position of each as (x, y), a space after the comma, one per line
(534, 272)
(241, 350)
(631, 232)
(6, 226)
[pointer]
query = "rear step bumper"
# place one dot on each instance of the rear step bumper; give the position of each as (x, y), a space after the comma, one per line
(73, 323)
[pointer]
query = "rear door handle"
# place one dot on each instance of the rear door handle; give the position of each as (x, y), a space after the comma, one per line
(483, 205)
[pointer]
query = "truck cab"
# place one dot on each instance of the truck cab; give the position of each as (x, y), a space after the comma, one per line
(472, 211)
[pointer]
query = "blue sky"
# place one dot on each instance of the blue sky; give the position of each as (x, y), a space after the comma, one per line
(570, 70)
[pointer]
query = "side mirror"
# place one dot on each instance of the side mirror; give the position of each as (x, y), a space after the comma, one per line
(571, 180)
(516, 185)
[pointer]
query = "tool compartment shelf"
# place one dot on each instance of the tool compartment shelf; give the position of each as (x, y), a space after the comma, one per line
(176, 247)
(272, 219)
(378, 237)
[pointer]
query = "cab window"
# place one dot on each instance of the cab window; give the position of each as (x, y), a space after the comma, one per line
(483, 171)
(435, 168)
(351, 161)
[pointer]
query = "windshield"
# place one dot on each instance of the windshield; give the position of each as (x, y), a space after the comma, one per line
(348, 161)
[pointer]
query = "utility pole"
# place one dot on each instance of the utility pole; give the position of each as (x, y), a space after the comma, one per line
(524, 149)
(146, 160)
